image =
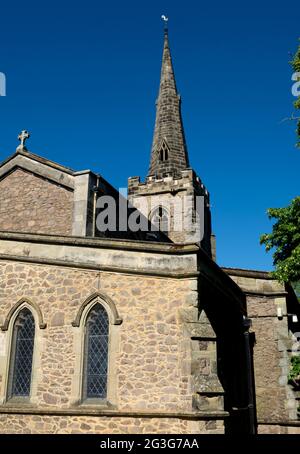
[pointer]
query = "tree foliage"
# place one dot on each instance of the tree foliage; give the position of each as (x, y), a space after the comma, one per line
(294, 374)
(285, 240)
(296, 287)
(296, 67)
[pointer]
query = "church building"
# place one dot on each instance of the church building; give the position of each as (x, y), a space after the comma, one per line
(134, 328)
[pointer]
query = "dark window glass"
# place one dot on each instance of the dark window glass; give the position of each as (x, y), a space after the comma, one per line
(164, 152)
(21, 355)
(96, 354)
(160, 219)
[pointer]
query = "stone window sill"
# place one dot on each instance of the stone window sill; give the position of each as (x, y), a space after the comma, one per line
(94, 404)
(18, 402)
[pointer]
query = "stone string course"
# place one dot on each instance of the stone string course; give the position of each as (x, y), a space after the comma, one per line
(278, 429)
(32, 424)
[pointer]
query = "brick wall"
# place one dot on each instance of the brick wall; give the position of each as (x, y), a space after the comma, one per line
(33, 204)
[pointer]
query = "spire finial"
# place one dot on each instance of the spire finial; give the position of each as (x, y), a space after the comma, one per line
(165, 19)
(23, 136)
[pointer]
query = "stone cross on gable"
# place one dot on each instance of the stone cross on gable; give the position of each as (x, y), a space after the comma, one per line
(23, 137)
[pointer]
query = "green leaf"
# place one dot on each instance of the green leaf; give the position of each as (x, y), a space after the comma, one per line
(285, 241)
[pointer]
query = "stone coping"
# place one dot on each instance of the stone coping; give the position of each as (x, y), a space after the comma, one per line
(132, 257)
(46, 168)
(103, 243)
(110, 269)
(40, 159)
(41, 169)
(265, 294)
(293, 422)
(90, 411)
(248, 273)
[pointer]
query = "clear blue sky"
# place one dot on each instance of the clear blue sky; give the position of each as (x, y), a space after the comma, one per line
(83, 77)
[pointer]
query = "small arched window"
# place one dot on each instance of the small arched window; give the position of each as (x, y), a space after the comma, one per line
(96, 354)
(160, 219)
(163, 151)
(20, 370)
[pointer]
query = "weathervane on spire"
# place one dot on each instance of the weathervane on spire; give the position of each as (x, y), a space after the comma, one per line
(165, 19)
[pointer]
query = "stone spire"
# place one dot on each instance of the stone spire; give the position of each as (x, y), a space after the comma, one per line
(169, 153)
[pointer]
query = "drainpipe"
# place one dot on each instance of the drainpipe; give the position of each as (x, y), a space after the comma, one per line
(250, 385)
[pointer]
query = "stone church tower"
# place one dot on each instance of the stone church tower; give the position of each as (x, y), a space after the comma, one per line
(173, 196)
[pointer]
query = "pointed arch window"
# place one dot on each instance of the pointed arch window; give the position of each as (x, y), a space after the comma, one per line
(163, 151)
(20, 370)
(96, 353)
(160, 219)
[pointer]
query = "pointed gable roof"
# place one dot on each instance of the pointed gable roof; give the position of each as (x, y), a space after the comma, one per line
(39, 166)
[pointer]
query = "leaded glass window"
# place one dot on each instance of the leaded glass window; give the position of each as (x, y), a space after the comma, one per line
(96, 354)
(21, 355)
